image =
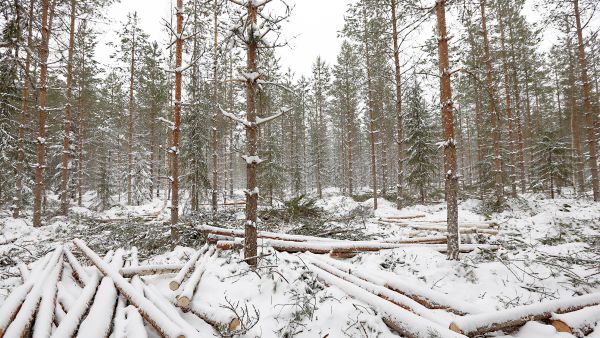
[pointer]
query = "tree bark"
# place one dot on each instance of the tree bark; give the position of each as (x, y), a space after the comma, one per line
(130, 115)
(450, 167)
(176, 127)
(213, 130)
(587, 104)
(40, 145)
(371, 110)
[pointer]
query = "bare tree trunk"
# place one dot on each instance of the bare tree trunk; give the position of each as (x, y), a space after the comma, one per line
(18, 199)
(41, 140)
(177, 125)
(349, 138)
(80, 130)
(450, 166)
(498, 186)
(399, 127)
(587, 104)
(130, 117)
(64, 198)
(371, 111)
(213, 130)
(509, 112)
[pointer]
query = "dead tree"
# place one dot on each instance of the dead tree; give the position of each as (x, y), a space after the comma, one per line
(450, 167)
(253, 36)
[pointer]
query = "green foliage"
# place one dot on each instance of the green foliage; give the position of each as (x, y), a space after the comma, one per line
(551, 162)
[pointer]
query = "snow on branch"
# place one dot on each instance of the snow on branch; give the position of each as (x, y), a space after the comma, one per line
(281, 111)
(235, 118)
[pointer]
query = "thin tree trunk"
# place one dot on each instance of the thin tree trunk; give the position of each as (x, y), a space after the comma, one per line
(40, 145)
(18, 199)
(498, 186)
(587, 104)
(371, 111)
(130, 117)
(450, 166)
(80, 130)
(399, 127)
(176, 128)
(64, 198)
(213, 130)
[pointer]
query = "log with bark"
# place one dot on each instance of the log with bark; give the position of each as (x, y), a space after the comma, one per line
(152, 314)
(263, 234)
(513, 318)
(153, 269)
(177, 280)
(184, 299)
(579, 323)
(71, 322)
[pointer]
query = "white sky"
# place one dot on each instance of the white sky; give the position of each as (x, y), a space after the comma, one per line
(310, 32)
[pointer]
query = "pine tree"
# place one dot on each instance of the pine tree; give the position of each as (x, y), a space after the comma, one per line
(552, 162)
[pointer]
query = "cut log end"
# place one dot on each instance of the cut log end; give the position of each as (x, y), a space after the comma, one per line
(561, 326)
(183, 302)
(455, 328)
(173, 285)
(342, 254)
(233, 324)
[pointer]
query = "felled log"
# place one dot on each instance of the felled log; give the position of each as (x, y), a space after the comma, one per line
(406, 217)
(153, 269)
(425, 296)
(184, 299)
(382, 292)
(147, 309)
(264, 234)
(79, 272)
(21, 322)
(45, 314)
(71, 322)
(178, 279)
(510, 319)
(344, 247)
(445, 229)
(397, 318)
(171, 311)
(218, 318)
(135, 324)
(578, 323)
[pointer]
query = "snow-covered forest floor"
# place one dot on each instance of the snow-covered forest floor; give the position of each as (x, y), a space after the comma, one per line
(547, 249)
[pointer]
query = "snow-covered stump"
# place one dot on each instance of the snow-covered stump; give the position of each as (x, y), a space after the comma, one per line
(578, 323)
(21, 322)
(397, 318)
(510, 319)
(72, 320)
(429, 298)
(185, 297)
(178, 279)
(150, 312)
(12, 304)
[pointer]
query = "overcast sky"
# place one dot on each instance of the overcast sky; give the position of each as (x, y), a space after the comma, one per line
(310, 32)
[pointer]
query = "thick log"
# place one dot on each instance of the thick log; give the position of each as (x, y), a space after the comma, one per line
(578, 323)
(145, 270)
(45, 314)
(513, 318)
(71, 322)
(147, 309)
(178, 279)
(184, 299)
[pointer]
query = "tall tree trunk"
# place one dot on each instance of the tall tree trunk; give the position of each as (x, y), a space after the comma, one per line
(177, 125)
(509, 112)
(64, 198)
(41, 140)
(80, 130)
(252, 140)
(450, 167)
(213, 129)
(18, 199)
(349, 138)
(399, 127)
(130, 117)
(498, 186)
(370, 109)
(587, 104)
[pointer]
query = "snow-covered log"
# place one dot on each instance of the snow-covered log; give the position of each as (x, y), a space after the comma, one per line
(383, 292)
(219, 318)
(45, 314)
(438, 228)
(578, 323)
(399, 319)
(184, 299)
(510, 319)
(264, 234)
(79, 273)
(28, 306)
(345, 246)
(169, 309)
(407, 216)
(11, 305)
(421, 294)
(148, 310)
(178, 279)
(135, 324)
(71, 322)
(154, 269)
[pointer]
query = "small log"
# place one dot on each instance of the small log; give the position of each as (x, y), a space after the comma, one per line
(145, 270)
(184, 299)
(178, 279)
(513, 318)
(148, 310)
(21, 321)
(45, 315)
(81, 276)
(218, 318)
(407, 217)
(579, 323)
(119, 320)
(134, 323)
(24, 271)
(170, 310)
(265, 234)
